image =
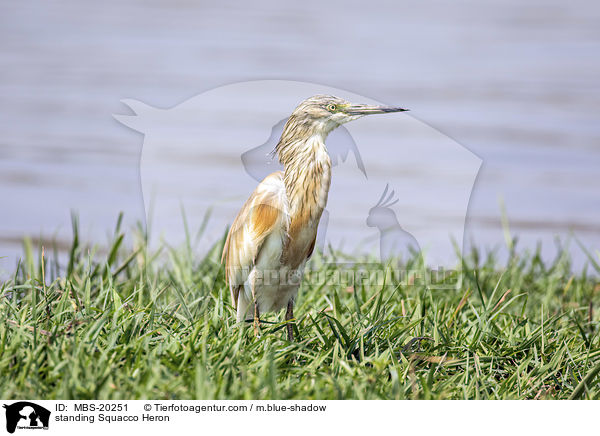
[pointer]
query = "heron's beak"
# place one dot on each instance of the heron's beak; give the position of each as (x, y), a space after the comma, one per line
(365, 109)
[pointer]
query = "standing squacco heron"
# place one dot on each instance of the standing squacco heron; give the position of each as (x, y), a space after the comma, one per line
(274, 233)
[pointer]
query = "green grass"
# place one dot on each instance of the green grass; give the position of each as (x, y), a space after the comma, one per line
(132, 324)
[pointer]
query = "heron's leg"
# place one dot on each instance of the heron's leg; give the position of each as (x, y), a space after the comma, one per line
(256, 318)
(289, 316)
(256, 314)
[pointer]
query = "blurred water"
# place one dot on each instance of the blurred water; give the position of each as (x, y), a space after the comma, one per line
(202, 155)
(515, 83)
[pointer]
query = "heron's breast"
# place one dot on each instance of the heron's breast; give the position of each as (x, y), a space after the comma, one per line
(301, 238)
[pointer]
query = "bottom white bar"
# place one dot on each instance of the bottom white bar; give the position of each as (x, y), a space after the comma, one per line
(23, 417)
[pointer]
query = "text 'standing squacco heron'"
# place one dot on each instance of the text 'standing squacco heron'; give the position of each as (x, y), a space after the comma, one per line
(274, 234)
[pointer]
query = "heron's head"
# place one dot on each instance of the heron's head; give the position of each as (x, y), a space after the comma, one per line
(323, 113)
(316, 117)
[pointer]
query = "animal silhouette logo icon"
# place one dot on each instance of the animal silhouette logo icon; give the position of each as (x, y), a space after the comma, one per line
(26, 415)
(394, 241)
(203, 157)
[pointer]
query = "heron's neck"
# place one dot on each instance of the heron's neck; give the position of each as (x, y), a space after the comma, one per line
(307, 175)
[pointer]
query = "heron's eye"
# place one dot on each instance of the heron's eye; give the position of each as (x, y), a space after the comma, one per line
(331, 107)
